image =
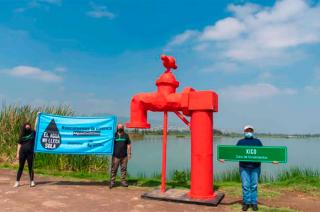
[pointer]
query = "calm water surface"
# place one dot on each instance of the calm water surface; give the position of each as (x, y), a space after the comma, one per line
(146, 155)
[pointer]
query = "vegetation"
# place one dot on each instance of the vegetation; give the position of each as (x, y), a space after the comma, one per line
(184, 132)
(264, 209)
(96, 167)
(295, 179)
(11, 119)
(302, 180)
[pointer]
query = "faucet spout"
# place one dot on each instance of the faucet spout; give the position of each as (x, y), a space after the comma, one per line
(156, 102)
(138, 111)
(165, 99)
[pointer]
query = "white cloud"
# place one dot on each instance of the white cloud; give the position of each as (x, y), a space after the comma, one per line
(94, 105)
(99, 11)
(255, 33)
(225, 29)
(60, 69)
(312, 89)
(242, 11)
(38, 4)
(30, 5)
(227, 67)
(254, 91)
(317, 73)
(266, 75)
(34, 73)
(183, 37)
(58, 2)
(289, 91)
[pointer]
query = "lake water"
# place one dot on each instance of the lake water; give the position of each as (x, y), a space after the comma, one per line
(146, 155)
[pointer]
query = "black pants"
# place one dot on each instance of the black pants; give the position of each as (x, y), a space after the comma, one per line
(23, 157)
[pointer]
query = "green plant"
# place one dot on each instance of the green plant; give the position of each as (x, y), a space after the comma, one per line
(181, 177)
(11, 119)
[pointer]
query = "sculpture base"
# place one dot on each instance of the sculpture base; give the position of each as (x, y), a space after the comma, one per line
(181, 196)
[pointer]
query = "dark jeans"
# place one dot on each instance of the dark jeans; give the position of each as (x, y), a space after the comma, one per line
(23, 157)
(123, 162)
(249, 179)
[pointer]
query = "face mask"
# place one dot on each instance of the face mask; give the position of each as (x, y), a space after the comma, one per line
(248, 135)
(28, 130)
(120, 130)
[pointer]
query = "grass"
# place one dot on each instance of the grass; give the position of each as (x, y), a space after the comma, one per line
(12, 118)
(295, 179)
(232, 175)
(263, 208)
(289, 180)
(96, 168)
(232, 188)
(302, 180)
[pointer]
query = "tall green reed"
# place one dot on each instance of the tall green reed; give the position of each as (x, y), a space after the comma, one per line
(11, 119)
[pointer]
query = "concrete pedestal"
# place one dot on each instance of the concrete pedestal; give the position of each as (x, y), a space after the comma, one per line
(181, 196)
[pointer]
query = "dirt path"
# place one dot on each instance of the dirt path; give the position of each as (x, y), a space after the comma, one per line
(297, 201)
(56, 194)
(59, 194)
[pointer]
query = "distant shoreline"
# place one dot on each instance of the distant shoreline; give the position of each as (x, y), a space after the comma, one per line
(217, 133)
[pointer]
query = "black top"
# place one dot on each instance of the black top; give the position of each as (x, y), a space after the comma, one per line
(27, 141)
(120, 145)
(249, 142)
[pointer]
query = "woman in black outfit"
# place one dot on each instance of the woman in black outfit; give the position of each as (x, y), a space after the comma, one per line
(25, 152)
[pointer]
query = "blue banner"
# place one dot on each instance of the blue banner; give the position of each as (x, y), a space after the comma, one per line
(75, 135)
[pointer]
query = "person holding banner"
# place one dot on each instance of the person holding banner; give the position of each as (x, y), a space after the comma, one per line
(121, 155)
(249, 172)
(25, 152)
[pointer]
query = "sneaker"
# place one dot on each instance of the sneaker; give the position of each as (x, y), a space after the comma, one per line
(111, 185)
(16, 184)
(124, 184)
(245, 207)
(254, 207)
(32, 184)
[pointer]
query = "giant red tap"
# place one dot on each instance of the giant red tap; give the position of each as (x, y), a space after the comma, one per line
(199, 105)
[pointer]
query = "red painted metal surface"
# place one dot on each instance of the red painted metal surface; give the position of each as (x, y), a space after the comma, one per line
(201, 186)
(164, 152)
(168, 62)
(200, 105)
(180, 116)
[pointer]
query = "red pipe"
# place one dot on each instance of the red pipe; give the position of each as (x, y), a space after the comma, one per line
(164, 151)
(180, 116)
(201, 186)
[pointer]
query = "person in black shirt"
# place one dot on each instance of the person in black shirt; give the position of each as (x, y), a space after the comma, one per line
(25, 152)
(121, 155)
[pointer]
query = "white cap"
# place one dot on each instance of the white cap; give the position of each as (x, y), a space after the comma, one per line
(248, 127)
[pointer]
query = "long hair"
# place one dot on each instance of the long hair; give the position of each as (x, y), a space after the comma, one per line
(23, 129)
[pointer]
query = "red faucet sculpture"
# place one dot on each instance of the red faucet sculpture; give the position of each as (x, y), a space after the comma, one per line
(199, 105)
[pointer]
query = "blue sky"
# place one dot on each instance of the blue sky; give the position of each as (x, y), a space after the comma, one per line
(262, 59)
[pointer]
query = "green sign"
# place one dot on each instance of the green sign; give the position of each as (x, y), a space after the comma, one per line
(265, 154)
